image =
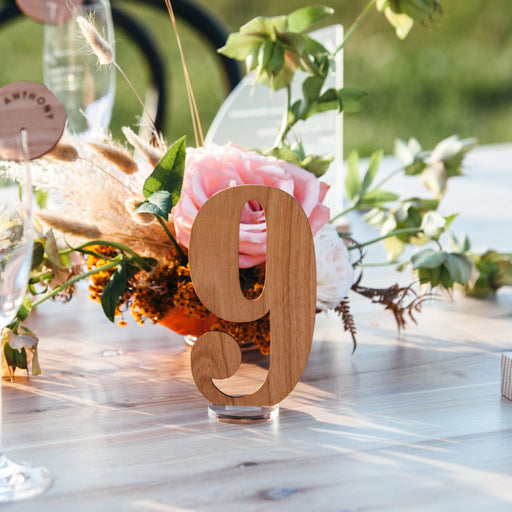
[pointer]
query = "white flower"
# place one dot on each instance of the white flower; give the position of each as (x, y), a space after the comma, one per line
(334, 272)
(451, 147)
(407, 152)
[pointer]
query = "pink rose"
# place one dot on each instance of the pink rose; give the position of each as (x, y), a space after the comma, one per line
(213, 168)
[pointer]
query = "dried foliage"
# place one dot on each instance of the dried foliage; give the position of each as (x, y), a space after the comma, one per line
(402, 301)
(349, 324)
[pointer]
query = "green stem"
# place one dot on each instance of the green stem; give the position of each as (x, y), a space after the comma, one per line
(150, 118)
(285, 127)
(357, 22)
(388, 177)
(171, 238)
(344, 212)
(116, 245)
(75, 279)
(377, 265)
(383, 237)
(355, 206)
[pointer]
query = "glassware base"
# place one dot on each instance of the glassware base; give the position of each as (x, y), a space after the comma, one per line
(243, 414)
(18, 482)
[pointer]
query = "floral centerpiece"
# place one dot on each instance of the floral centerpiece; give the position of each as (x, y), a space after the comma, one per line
(122, 217)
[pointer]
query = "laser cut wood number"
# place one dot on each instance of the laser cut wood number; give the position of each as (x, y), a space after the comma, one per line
(289, 293)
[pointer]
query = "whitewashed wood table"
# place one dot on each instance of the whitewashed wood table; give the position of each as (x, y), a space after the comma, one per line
(415, 423)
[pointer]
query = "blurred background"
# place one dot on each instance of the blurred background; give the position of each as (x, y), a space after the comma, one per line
(451, 76)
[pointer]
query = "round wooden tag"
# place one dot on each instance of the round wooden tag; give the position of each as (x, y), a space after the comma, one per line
(33, 107)
(40, 10)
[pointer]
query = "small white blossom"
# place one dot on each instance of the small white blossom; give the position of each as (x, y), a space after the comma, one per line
(409, 152)
(451, 147)
(334, 272)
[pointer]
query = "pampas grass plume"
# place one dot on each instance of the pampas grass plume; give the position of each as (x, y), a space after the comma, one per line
(63, 153)
(119, 158)
(152, 154)
(98, 45)
(72, 227)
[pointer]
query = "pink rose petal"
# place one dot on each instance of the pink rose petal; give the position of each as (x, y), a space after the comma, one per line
(213, 168)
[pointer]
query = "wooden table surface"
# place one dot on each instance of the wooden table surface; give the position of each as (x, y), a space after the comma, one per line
(411, 423)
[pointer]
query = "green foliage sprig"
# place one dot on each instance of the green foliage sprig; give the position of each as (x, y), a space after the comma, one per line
(53, 274)
(444, 261)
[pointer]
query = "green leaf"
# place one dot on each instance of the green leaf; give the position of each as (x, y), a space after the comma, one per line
(373, 167)
(25, 309)
(350, 99)
(460, 268)
(449, 222)
(292, 42)
(428, 258)
(37, 253)
(20, 358)
(415, 168)
(303, 18)
(353, 185)
(394, 247)
(295, 112)
(268, 26)
(317, 164)
(276, 61)
(168, 174)
(113, 291)
(8, 353)
(423, 205)
(465, 243)
(159, 203)
(311, 87)
(270, 58)
(327, 101)
(41, 197)
(377, 197)
(286, 154)
(239, 46)
(264, 54)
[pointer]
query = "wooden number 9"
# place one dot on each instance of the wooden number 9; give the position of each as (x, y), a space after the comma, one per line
(289, 292)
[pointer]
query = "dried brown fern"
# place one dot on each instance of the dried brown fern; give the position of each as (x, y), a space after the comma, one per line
(349, 324)
(402, 301)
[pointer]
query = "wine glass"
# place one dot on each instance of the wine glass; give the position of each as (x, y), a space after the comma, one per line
(72, 71)
(17, 481)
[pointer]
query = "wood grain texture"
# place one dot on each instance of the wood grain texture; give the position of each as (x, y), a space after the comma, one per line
(289, 293)
(38, 10)
(414, 423)
(506, 375)
(34, 108)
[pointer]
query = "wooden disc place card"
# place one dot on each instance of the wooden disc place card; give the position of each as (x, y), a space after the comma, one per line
(31, 107)
(289, 293)
(52, 11)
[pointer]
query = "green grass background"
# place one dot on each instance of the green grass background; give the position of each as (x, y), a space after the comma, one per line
(453, 76)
